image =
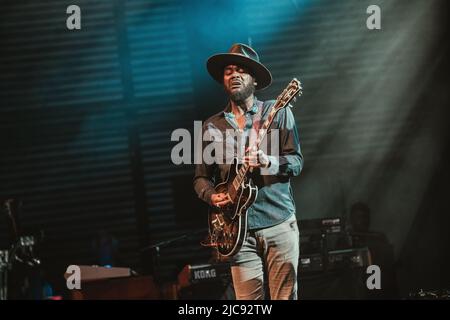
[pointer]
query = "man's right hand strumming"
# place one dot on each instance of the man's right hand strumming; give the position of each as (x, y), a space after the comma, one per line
(220, 199)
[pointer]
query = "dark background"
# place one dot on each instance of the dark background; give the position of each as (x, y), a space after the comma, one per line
(86, 118)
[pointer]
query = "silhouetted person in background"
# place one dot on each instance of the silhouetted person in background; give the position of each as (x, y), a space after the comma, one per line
(381, 251)
(105, 248)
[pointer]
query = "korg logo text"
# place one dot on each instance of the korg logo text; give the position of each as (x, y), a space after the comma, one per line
(205, 274)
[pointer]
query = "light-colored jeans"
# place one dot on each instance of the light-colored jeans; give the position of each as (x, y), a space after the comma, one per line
(271, 255)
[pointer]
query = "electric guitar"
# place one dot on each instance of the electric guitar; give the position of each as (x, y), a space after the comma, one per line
(228, 224)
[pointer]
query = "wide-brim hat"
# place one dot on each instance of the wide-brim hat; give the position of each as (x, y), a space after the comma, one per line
(243, 55)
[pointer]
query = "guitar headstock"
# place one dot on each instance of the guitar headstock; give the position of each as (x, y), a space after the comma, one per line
(293, 89)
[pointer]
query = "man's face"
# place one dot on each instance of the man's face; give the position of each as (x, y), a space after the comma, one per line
(238, 82)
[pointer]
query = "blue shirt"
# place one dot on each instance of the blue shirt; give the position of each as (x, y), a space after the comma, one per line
(274, 203)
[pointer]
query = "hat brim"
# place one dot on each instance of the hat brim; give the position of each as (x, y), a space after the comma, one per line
(218, 62)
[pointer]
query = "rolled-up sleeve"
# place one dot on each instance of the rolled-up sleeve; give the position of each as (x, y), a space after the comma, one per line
(204, 176)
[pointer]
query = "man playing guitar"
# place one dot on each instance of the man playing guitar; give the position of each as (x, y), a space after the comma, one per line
(268, 252)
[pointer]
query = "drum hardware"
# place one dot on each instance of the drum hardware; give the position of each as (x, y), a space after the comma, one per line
(21, 250)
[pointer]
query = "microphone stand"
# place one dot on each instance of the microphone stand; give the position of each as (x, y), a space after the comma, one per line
(156, 251)
(4, 265)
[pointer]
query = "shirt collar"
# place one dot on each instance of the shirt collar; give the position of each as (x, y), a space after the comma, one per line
(229, 114)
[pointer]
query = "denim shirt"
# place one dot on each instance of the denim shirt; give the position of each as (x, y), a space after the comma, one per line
(274, 203)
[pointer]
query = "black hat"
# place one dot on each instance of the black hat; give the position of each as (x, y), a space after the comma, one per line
(243, 55)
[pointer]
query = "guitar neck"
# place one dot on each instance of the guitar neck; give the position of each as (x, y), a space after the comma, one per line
(239, 178)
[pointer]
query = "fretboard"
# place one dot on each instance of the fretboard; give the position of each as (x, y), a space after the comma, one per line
(243, 170)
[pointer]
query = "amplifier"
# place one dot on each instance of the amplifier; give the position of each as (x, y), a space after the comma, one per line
(311, 263)
(349, 258)
(321, 226)
(192, 274)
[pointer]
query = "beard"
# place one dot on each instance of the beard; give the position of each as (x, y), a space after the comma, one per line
(241, 95)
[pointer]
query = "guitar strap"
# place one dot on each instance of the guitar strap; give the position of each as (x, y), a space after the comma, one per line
(257, 121)
(256, 124)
